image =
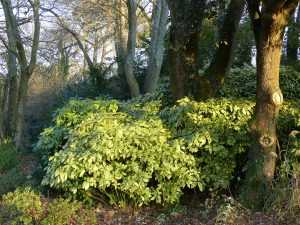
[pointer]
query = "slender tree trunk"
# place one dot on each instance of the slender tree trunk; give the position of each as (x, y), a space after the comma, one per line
(131, 45)
(186, 21)
(12, 103)
(293, 39)
(219, 67)
(12, 80)
(3, 105)
(159, 30)
(64, 64)
(96, 49)
(22, 100)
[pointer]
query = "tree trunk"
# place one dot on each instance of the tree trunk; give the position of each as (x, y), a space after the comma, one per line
(12, 80)
(269, 96)
(120, 37)
(219, 67)
(159, 30)
(186, 21)
(131, 45)
(12, 103)
(268, 26)
(96, 49)
(3, 105)
(22, 100)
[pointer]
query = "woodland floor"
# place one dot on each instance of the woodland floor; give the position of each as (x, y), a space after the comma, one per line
(192, 211)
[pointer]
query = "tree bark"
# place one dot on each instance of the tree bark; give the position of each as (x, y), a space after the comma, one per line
(22, 100)
(96, 49)
(186, 21)
(269, 22)
(27, 67)
(131, 45)
(159, 30)
(10, 115)
(120, 37)
(214, 76)
(3, 105)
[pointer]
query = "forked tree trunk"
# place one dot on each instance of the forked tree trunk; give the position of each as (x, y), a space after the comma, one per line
(10, 115)
(159, 30)
(186, 21)
(213, 79)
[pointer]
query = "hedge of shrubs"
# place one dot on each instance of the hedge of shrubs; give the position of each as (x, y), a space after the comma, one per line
(146, 152)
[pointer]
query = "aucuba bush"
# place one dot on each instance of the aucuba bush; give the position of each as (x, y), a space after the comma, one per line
(214, 132)
(120, 148)
(146, 151)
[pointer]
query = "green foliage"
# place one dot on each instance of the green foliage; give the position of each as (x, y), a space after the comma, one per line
(241, 82)
(26, 207)
(135, 151)
(65, 212)
(208, 38)
(215, 132)
(144, 151)
(285, 198)
(117, 148)
(10, 180)
(8, 156)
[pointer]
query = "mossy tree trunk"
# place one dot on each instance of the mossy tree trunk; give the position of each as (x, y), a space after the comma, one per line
(269, 21)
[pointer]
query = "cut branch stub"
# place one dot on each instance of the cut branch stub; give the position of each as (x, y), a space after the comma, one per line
(266, 141)
(277, 98)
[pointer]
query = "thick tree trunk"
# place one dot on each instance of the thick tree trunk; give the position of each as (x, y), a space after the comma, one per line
(268, 26)
(159, 30)
(131, 45)
(219, 67)
(269, 96)
(186, 21)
